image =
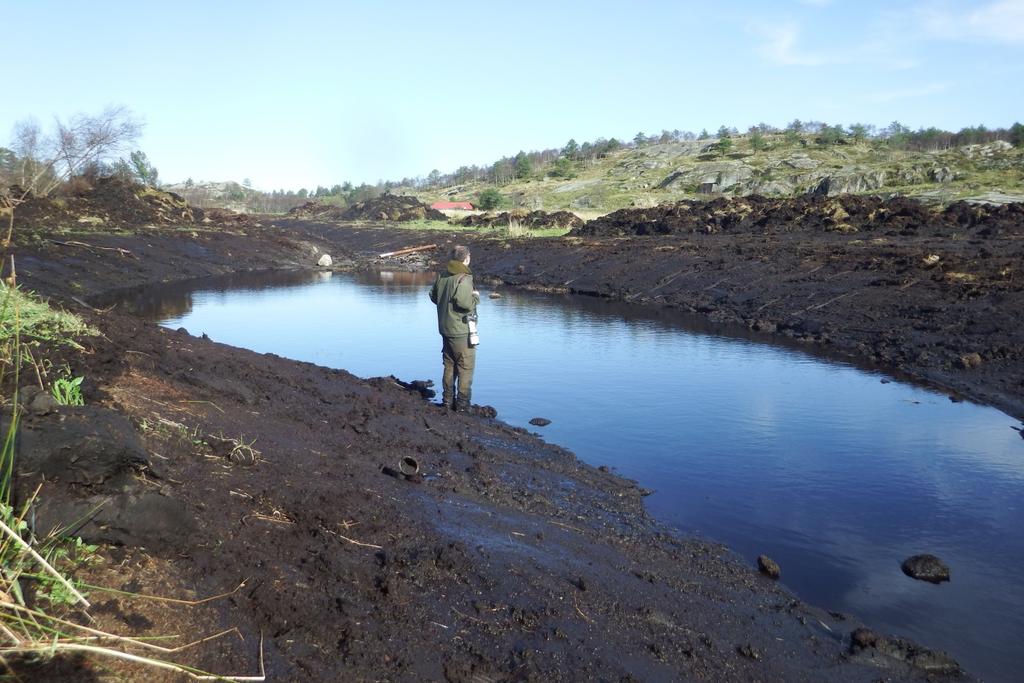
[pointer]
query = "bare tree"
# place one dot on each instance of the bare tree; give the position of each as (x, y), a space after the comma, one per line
(87, 139)
(26, 143)
(47, 161)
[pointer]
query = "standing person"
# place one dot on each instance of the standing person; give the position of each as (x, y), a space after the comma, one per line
(456, 306)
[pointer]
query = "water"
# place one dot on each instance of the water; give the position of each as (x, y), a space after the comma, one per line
(820, 465)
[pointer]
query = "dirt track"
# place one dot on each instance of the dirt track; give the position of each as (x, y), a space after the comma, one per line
(517, 561)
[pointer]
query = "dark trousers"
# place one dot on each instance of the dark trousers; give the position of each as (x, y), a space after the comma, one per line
(459, 360)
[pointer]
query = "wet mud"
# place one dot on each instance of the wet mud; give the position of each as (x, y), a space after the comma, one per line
(502, 557)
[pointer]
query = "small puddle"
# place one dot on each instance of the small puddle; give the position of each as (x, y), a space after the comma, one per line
(834, 474)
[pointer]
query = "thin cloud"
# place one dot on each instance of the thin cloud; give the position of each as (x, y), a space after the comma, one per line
(781, 47)
(1001, 21)
(908, 93)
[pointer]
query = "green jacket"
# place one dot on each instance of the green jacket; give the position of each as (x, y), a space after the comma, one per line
(453, 294)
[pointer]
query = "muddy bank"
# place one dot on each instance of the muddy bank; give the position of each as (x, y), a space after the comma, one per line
(509, 560)
(809, 214)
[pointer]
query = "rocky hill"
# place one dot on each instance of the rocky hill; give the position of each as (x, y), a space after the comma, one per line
(657, 173)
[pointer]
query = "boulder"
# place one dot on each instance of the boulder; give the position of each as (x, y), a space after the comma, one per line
(926, 567)
(941, 174)
(768, 567)
(540, 421)
(801, 161)
(584, 202)
(877, 650)
(773, 188)
(848, 183)
(969, 360)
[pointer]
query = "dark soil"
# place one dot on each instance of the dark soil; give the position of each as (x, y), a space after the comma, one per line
(872, 216)
(387, 207)
(108, 203)
(533, 220)
(504, 558)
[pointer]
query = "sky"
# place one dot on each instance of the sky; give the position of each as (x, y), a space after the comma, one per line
(307, 93)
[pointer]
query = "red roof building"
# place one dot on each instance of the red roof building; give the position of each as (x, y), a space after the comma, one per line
(457, 206)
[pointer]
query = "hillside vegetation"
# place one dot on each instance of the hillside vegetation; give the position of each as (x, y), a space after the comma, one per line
(655, 173)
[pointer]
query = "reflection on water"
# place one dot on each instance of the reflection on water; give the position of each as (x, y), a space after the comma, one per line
(835, 475)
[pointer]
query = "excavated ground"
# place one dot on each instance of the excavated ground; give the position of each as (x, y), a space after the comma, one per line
(531, 219)
(510, 560)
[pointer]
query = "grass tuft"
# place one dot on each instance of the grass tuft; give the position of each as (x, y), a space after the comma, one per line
(37, 319)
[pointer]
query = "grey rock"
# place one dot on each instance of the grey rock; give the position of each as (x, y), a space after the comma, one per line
(926, 567)
(768, 567)
(994, 197)
(877, 650)
(540, 421)
(773, 188)
(801, 161)
(584, 202)
(848, 182)
(969, 361)
(942, 174)
(37, 401)
(643, 202)
(577, 185)
(910, 176)
(723, 175)
(43, 403)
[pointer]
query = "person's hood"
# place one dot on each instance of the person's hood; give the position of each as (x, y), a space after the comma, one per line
(458, 268)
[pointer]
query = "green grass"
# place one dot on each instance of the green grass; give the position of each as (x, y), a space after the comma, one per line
(36, 320)
(67, 391)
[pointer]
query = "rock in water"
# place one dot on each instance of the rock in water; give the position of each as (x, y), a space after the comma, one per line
(325, 261)
(540, 421)
(768, 566)
(926, 568)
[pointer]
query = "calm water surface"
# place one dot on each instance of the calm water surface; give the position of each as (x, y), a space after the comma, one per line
(820, 465)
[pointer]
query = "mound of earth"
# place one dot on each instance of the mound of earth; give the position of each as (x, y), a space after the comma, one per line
(533, 219)
(390, 207)
(387, 207)
(223, 217)
(844, 214)
(317, 211)
(106, 201)
(109, 202)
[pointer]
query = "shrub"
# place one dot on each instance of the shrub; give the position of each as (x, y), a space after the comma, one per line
(489, 199)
